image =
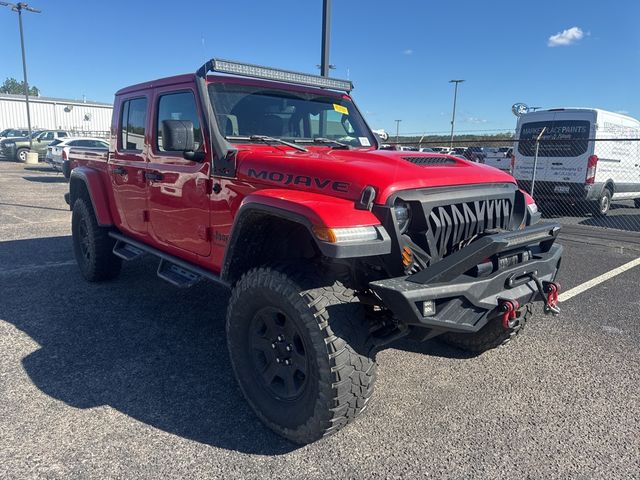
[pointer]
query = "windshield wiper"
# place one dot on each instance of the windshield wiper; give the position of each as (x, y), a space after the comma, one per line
(267, 139)
(325, 140)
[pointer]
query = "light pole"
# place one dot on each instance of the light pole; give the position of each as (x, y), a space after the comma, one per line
(326, 29)
(18, 7)
(453, 115)
(397, 130)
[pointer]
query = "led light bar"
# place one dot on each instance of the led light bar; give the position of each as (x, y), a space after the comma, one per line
(346, 235)
(268, 73)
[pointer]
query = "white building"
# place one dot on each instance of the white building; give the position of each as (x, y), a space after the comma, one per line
(48, 113)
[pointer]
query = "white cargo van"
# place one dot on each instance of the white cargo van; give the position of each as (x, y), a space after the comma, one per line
(572, 167)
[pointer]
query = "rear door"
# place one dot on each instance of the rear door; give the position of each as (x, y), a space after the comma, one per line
(127, 164)
(178, 189)
(563, 150)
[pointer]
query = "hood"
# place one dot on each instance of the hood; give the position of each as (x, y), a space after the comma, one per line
(345, 173)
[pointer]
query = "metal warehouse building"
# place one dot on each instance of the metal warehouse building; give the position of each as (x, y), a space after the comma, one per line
(49, 113)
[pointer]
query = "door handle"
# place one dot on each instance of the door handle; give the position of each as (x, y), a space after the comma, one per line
(119, 171)
(153, 176)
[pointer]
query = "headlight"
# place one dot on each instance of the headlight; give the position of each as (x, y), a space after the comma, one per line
(403, 215)
(532, 214)
(346, 235)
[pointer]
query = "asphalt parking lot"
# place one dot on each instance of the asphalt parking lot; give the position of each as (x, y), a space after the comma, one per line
(131, 379)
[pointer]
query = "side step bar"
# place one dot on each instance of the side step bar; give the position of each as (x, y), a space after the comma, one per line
(172, 269)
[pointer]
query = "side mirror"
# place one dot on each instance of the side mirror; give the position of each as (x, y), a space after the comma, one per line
(381, 134)
(39, 140)
(177, 135)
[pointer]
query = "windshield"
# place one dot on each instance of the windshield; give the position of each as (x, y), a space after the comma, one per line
(245, 110)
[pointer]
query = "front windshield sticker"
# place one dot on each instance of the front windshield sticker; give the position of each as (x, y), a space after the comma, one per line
(340, 109)
(364, 141)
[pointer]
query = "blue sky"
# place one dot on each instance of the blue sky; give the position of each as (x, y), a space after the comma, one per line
(400, 55)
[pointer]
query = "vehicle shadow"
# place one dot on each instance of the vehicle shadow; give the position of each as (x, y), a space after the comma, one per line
(142, 347)
(629, 223)
(57, 179)
(44, 168)
(137, 344)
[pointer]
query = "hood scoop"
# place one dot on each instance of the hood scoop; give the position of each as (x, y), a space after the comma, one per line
(430, 161)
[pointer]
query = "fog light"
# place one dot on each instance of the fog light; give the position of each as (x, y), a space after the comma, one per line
(428, 308)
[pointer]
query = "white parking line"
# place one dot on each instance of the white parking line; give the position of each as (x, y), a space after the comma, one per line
(598, 280)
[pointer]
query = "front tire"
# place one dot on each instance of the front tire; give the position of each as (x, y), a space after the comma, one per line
(298, 347)
(492, 335)
(92, 245)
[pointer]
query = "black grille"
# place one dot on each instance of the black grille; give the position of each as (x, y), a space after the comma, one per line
(427, 161)
(451, 227)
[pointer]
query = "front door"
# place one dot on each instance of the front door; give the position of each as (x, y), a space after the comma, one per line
(178, 189)
(127, 166)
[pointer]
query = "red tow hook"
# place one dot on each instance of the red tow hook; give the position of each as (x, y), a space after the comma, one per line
(551, 289)
(509, 309)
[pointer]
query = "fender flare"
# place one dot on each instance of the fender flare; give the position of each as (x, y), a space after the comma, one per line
(97, 194)
(309, 210)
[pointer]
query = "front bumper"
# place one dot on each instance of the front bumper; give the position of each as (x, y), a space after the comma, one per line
(464, 302)
(8, 152)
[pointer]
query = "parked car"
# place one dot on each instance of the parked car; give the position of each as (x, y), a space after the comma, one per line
(475, 154)
(331, 248)
(58, 150)
(13, 133)
(572, 168)
(427, 150)
(498, 157)
(16, 148)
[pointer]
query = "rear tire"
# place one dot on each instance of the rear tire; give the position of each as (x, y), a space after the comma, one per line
(601, 207)
(92, 245)
(21, 155)
(298, 347)
(492, 335)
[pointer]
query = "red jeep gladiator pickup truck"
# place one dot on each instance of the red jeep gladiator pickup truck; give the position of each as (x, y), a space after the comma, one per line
(270, 183)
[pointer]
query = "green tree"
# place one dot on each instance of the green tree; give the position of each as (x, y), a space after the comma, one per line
(11, 85)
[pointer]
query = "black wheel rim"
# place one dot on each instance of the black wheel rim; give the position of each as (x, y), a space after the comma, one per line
(278, 353)
(83, 237)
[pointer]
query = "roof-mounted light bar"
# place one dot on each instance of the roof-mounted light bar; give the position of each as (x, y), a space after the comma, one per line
(268, 73)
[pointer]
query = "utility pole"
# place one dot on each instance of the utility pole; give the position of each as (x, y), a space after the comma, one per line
(326, 30)
(397, 130)
(18, 7)
(453, 115)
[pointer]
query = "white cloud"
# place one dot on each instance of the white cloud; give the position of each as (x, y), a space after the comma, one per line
(566, 37)
(408, 51)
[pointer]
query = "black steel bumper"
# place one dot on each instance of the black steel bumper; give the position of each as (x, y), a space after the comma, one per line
(464, 300)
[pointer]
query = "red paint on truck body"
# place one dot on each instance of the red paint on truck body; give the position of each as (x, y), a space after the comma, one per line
(179, 214)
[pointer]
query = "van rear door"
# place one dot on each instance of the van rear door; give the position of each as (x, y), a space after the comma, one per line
(564, 146)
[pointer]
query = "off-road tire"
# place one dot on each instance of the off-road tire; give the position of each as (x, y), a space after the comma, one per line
(332, 328)
(21, 155)
(492, 335)
(601, 207)
(92, 245)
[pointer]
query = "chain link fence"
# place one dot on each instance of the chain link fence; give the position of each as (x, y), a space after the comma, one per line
(591, 182)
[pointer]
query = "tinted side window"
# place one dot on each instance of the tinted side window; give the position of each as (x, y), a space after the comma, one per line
(178, 106)
(132, 124)
(62, 134)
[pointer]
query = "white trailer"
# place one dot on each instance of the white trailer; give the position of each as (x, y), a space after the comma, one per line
(584, 155)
